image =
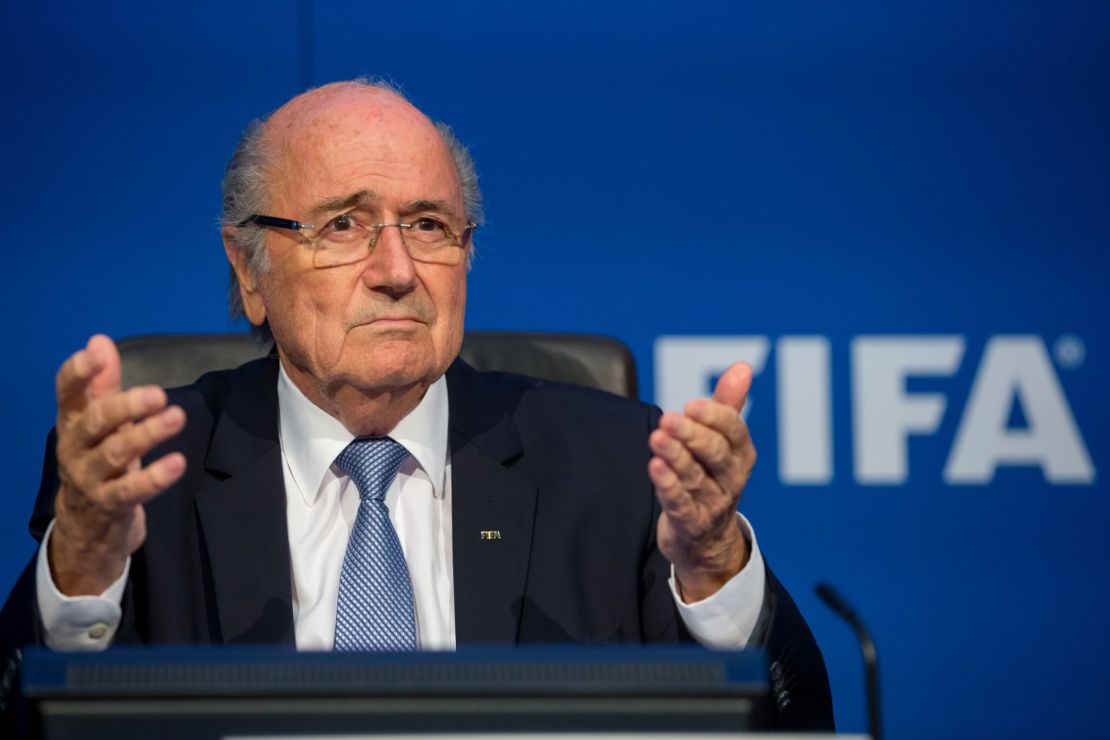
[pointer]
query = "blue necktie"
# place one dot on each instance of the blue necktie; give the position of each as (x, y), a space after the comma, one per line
(375, 609)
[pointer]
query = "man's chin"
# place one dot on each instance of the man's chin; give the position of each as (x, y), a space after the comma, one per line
(381, 357)
(392, 363)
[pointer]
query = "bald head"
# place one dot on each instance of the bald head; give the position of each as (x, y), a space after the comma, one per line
(373, 102)
(276, 151)
(324, 143)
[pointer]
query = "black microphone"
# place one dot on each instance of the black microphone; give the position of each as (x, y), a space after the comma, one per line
(837, 603)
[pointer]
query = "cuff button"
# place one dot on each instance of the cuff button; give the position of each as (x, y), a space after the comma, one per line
(98, 631)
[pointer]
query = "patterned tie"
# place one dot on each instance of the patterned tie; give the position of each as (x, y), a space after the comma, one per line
(375, 610)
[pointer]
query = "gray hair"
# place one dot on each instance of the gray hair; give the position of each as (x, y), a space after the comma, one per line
(245, 193)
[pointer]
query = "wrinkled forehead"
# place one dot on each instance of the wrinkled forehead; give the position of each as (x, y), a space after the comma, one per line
(344, 138)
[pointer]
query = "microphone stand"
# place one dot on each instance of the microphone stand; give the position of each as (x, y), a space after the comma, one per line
(837, 603)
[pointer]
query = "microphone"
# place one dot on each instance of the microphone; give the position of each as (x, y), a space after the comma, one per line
(836, 602)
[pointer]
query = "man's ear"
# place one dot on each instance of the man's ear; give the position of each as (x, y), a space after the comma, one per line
(253, 306)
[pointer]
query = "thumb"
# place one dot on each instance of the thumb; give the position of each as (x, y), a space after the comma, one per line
(108, 378)
(733, 385)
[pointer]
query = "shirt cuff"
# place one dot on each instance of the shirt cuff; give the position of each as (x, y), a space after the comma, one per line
(727, 619)
(77, 622)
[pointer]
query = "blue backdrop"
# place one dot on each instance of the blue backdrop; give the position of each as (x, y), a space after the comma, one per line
(897, 211)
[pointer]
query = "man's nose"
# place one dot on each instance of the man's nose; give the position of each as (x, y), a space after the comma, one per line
(390, 267)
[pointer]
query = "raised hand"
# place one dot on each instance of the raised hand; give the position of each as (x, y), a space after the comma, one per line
(702, 458)
(103, 432)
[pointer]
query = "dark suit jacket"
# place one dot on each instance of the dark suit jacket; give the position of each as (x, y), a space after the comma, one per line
(559, 471)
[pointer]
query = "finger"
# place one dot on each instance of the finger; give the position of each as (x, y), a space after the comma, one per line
(128, 444)
(721, 418)
(139, 486)
(105, 415)
(711, 449)
(678, 457)
(72, 380)
(88, 373)
(733, 385)
(673, 497)
(108, 378)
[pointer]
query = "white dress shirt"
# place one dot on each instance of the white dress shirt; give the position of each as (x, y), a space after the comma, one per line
(321, 505)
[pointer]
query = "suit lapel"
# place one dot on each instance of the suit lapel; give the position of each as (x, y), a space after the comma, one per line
(242, 514)
(245, 536)
(492, 511)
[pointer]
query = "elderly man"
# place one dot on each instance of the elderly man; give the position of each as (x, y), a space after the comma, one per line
(364, 489)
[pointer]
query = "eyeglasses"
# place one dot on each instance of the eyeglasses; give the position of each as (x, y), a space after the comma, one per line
(345, 240)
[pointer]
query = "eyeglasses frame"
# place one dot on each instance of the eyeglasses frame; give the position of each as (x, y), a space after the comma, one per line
(258, 219)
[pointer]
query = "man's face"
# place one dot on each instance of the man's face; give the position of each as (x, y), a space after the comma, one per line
(386, 322)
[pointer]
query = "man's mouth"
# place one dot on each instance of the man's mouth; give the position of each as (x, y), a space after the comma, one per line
(386, 321)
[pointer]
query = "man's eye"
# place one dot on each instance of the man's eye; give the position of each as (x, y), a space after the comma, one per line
(427, 224)
(343, 228)
(343, 223)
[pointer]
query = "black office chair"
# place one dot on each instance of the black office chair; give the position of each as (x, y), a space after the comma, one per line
(585, 359)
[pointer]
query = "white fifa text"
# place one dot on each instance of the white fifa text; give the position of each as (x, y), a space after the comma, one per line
(1014, 369)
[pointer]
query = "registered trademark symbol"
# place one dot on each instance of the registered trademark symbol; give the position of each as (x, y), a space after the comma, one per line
(1069, 351)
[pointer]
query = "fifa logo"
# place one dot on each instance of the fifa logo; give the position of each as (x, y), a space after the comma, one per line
(1014, 370)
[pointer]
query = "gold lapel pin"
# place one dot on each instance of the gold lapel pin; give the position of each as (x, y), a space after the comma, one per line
(491, 534)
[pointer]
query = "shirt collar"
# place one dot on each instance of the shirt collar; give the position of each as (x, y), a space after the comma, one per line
(311, 438)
